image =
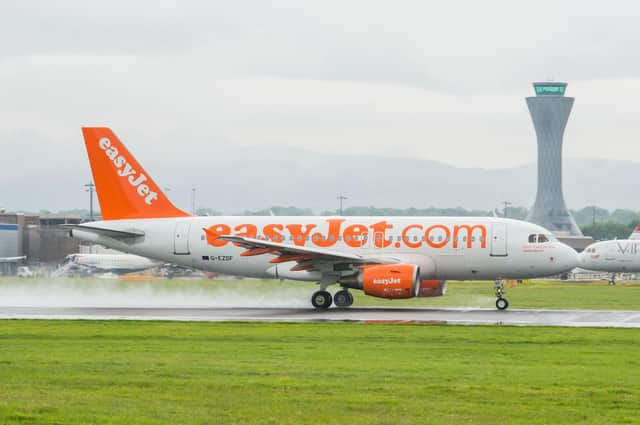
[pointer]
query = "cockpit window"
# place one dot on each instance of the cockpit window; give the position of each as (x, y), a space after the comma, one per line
(540, 238)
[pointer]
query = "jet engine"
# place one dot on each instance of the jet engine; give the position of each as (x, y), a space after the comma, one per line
(394, 281)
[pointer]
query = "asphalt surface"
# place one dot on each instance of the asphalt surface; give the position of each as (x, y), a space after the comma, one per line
(579, 318)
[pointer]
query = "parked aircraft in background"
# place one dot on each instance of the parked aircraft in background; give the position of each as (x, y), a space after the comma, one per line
(387, 257)
(113, 263)
(615, 256)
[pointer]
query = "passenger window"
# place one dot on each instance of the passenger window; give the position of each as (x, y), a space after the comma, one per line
(532, 239)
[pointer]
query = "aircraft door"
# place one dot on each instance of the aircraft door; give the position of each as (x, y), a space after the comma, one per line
(378, 240)
(181, 238)
(499, 240)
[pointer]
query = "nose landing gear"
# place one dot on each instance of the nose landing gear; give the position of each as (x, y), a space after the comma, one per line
(501, 301)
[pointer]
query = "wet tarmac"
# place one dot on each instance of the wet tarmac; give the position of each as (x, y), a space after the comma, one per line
(469, 316)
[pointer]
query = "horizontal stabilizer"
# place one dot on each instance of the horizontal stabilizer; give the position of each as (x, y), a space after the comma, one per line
(110, 233)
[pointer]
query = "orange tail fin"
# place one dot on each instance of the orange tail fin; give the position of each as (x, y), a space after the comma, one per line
(125, 190)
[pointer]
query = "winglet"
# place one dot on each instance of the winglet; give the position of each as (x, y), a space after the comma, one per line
(125, 189)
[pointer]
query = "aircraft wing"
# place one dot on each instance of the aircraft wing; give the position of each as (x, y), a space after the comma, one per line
(306, 258)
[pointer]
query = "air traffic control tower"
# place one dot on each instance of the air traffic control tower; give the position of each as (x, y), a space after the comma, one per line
(550, 110)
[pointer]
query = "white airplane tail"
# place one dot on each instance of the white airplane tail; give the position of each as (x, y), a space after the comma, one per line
(635, 234)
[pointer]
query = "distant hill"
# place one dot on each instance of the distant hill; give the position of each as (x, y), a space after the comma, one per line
(263, 178)
(255, 178)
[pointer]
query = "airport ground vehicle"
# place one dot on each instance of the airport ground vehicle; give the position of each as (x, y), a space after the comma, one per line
(388, 257)
(24, 271)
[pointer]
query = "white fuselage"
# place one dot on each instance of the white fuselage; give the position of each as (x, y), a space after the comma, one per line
(451, 247)
(612, 256)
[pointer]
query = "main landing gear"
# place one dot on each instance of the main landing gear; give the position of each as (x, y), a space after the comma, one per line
(322, 299)
(501, 301)
(343, 298)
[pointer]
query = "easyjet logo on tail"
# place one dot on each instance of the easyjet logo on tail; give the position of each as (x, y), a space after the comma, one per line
(125, 170)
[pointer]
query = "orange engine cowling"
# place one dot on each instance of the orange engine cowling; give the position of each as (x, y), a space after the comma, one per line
(390, 281)
(432, 288)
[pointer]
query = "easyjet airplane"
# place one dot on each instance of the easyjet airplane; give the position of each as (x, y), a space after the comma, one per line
(387, 257)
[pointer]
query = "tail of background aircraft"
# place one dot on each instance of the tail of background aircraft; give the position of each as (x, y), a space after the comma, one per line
(125, 190)
(635, 234)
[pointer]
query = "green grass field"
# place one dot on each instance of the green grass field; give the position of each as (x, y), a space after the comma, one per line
(85, 372)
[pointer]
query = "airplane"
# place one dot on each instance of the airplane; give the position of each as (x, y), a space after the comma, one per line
(386, 257)
(113, 263)
(614, 256)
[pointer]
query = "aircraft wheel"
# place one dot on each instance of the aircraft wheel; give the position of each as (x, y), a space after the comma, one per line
(502, 303)
(343, 298)
(321, 300)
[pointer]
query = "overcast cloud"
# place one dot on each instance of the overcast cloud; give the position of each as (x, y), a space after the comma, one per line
(179, 81)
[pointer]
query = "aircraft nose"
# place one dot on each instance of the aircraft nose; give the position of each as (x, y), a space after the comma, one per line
(570, 258)
(585, 260)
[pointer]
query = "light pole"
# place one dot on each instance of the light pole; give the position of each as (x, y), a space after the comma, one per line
(90, 187)
(341, 198)
(193, 201)
(507, 204)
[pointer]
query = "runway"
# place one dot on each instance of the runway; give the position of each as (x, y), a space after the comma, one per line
(515, 317)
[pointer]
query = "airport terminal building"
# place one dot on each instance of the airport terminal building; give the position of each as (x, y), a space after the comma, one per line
(38, 237)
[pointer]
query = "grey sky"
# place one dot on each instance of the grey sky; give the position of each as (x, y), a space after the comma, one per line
(179, 81)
